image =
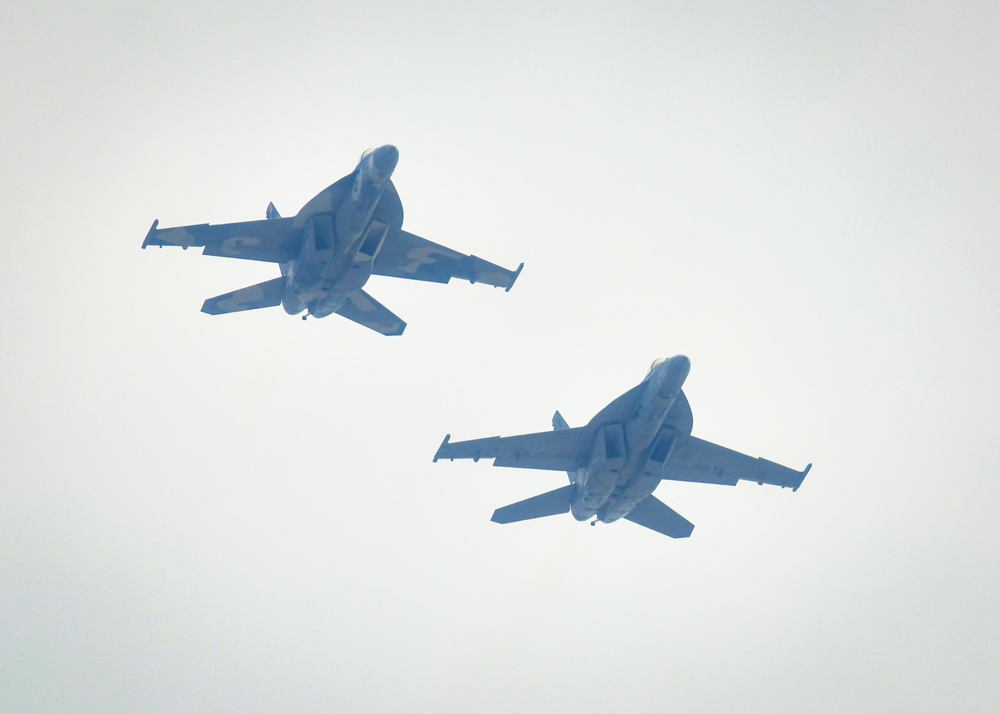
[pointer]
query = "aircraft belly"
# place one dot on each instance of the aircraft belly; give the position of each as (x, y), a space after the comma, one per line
(601, 475)
(323, 282)
(622, 504)
(639, 481)
(591, 492)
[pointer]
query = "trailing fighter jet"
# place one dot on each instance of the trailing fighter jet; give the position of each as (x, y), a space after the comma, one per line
(615, 461)
(330, 248)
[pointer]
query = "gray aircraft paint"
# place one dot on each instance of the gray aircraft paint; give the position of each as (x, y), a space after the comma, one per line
(617, 460)
(327, 252)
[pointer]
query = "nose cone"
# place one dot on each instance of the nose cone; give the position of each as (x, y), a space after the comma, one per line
(672, 373)
(384, 160)
(678, 366)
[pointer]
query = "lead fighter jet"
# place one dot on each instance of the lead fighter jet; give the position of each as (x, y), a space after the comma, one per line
(330, 248)
(617, 460)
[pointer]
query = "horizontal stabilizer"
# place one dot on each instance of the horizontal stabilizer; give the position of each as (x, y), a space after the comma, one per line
(547, 504)
(266, 294)
(366, 310)
(658, 516)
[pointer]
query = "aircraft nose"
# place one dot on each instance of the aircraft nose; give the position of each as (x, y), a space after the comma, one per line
(678, 366)
(384, 159)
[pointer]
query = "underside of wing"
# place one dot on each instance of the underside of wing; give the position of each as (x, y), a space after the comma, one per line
(658, 516)
(693, 459)
(562, 450)
(366, 310)
(271, 240)
(409, 256)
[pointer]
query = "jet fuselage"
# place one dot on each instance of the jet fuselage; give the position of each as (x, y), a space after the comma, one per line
(619, 457)
(326, 252)
(341, 237)
(626, 463)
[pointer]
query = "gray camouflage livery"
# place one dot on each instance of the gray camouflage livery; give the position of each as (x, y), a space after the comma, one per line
(617, 460)
(330, 248)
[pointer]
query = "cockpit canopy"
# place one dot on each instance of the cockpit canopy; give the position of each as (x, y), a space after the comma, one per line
(656, 363)
(365, 155)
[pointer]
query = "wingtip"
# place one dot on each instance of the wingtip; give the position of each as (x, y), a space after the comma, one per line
(437, 454)
(150, 232)
(805, 472)
(514, 279)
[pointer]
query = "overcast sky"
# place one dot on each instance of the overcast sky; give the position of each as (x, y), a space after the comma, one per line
(240, 513)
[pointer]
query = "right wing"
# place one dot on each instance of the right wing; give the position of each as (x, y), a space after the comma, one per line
(409, 256)
(561, 450)
(693, 459)
(272, 240)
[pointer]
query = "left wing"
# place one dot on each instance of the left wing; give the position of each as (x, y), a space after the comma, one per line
(409, 256)
(693, 459)
(272, 240)
(561, 450)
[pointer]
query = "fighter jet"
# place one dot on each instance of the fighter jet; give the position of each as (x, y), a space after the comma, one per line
(330, 248)
(617, 460)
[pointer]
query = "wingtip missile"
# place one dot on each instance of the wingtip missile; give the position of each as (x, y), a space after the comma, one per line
(805, 472)
(150, 232)
(514, 279)
(437, 454)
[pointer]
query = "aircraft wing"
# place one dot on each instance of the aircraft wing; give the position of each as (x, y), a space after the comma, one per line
(562, 450)
(693, 459)
(272, 240)
(415, 258)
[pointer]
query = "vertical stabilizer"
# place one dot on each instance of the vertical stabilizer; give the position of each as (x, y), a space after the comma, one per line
(559, 424)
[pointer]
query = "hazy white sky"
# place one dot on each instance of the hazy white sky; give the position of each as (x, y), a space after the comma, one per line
(240, 513)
